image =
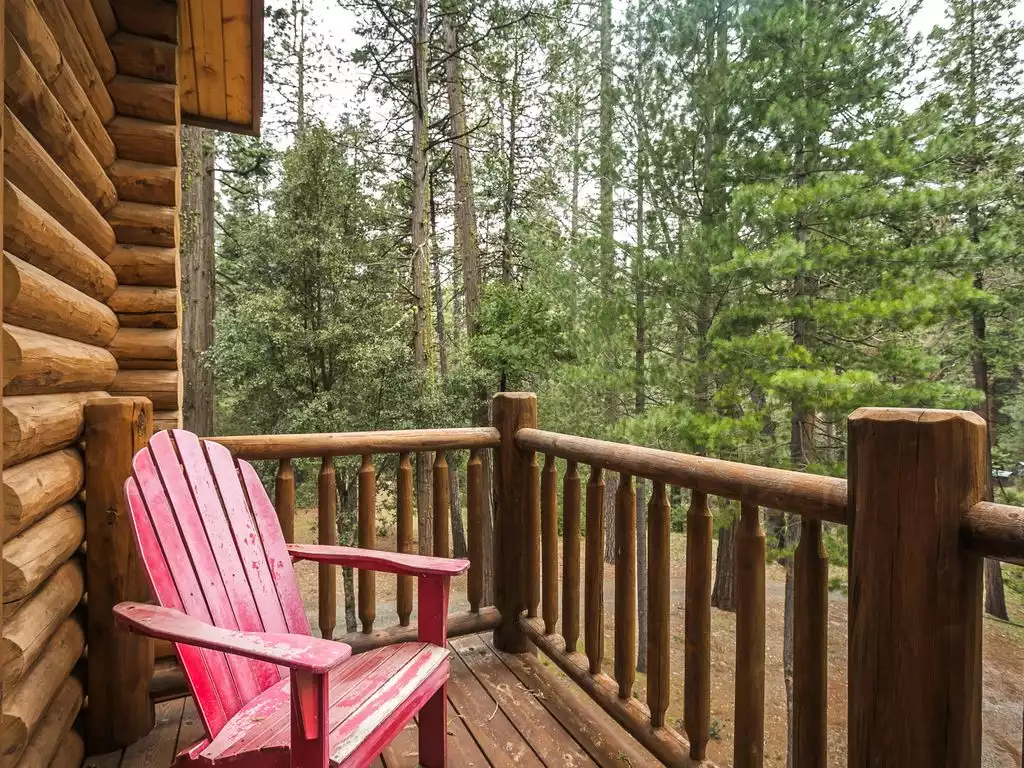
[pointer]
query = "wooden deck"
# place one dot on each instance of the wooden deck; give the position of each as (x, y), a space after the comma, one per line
(504, 710)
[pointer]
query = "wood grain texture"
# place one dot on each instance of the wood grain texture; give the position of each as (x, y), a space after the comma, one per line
(697, 656)
(144, 345)
(37, 424)
(144, 265)
(145, 57)
(39, 363)
(161, 387)
(26, 705)
(814, 496)
(38, 301)
(549, 543)
(441, 509)
(31, 100)
(145, 182)
(351, 443)
(76, 53)
(666, 744)
(91, 30)
(625, 586)
(571, 556)
(995, 530)
(532, 528)
(34, 488)
(44, 51)
(475, 511)
(150, 18)
(593, 628)
(404, 531)
(32, 234)
(28, 631)
(143, 224)
(659, 595)
(120, 666)
(511, 411)
(144, 141)
(367, 540)
(748, 745)
(810, 649)
(915, 473)
(144, 99)
(51, 729)
(29, 167)
(284, 499)
(327, 534)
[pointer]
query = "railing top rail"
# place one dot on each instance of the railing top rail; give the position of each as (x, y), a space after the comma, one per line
(357, 443)
(814, 496)
(995, 530)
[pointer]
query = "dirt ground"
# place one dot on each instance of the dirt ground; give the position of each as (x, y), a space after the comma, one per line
(1003, 658)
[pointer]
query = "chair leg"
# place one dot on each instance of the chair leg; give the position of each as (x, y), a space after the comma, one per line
(310, 728)
(434, 730)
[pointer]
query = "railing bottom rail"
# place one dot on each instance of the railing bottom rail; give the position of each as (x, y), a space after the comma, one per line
(666, 744)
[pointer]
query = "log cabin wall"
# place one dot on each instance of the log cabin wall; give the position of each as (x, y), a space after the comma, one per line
(91, 309)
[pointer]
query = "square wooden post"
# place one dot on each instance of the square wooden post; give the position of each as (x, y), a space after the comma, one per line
(915, 593)
(120, 665)
(512, 411)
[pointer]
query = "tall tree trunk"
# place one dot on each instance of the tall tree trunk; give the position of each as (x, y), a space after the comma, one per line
(466, 254)
(611, 490)
(640, 336)
(345, 522)
(197, 278)
(420, 242)
(723, 594)
(995, 597)
(606, 188)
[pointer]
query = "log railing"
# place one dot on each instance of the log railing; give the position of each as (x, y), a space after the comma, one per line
(430, 445)
(918, 531)
(914, 490)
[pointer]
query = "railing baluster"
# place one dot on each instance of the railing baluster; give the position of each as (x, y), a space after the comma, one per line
(593, 630)
(474, 526)
(810, 649)
(405, 543)
(549, 542)
(532, 536)
(284, 498)
(659, 584)
(748, 746)
(571, 557)
(442, 521)
(327, 533)
(697, 655)
(625, 585)
(367, 540)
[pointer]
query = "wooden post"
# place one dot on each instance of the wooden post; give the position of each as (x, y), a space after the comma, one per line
(549, 542)
(367, 540)
(327, 533)
(512, 411)
(915, 594)
(474, 525)
(405, 542)
(284, 499)
(120, 665)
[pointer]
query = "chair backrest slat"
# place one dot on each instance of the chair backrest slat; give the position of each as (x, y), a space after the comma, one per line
(213, 548)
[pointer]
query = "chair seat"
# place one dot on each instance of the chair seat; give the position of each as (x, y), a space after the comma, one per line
(372, 696)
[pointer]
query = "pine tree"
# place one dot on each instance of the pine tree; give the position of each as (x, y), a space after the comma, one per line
(978, 98)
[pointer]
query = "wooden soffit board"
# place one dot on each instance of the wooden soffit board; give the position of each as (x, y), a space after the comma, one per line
(220, 63)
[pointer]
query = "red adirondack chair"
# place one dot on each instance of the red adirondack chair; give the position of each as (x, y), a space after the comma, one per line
(268, 693)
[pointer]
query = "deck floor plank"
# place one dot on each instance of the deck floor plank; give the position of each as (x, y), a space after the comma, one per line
(156, 749)
(504, 711)
(545, 735)
(608, 744)
(490, 727)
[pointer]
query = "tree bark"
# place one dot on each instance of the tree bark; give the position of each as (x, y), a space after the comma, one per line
(723, 594)
(197, 278)
(611, 489)
(420, 244)
(345, 521)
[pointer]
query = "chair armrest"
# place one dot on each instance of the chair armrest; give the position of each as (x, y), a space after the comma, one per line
(374, 560)
(297, 652)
